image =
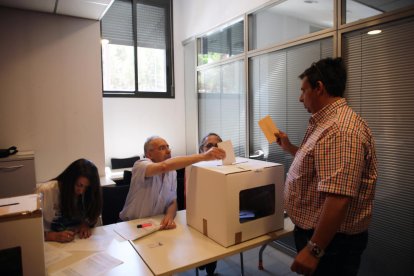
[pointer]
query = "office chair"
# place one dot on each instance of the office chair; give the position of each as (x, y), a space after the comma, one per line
(119, 163)
(126, 179)
(181, 189)
(113, 201)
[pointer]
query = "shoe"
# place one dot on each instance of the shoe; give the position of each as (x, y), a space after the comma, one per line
(210, 268)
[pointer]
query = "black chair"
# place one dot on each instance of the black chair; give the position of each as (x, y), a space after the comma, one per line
(126, 179)
(119, 163)
(113, 201)
(180, 189)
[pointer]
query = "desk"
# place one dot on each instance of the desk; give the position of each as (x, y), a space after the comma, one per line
(106, 181)
(172, 251)
(118, 248)
(118, 174)
(112, 176)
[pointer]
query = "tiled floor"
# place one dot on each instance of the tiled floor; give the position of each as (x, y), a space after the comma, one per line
(275, 263)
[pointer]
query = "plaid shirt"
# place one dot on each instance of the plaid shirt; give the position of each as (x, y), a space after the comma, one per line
(337, 156)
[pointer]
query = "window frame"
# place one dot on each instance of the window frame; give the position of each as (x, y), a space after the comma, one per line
(170, 93)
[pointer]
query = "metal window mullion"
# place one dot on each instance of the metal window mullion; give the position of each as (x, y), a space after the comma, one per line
(170, 54)
(229, 40)
(221, 97)
(246, 35)
(135, 39)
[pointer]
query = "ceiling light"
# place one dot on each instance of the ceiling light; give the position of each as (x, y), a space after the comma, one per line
(374, 32)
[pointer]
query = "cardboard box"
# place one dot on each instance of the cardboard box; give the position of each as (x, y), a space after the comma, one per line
(21, 231)
(234, 203)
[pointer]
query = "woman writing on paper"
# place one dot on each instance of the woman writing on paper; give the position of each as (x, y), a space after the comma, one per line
(72, 202)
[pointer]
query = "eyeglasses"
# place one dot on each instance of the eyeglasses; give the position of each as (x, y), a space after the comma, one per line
(164, 147)
(210, 145)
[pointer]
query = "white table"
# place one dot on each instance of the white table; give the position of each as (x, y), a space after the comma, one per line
(118, 248)
(106, 181)
(118, 174)
(172, 251)
(112, 176)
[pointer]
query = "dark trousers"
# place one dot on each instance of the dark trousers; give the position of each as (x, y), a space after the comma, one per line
(342, 256)
(210, 268)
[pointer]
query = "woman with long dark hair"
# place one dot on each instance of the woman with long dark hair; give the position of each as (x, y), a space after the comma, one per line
(72, 202)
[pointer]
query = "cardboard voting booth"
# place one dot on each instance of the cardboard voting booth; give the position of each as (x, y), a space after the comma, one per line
(21, 231)
(234, 203)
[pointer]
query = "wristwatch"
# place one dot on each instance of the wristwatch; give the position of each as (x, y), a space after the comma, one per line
(314, 249)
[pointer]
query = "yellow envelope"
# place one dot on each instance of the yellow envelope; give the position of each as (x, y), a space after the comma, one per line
(269, 128)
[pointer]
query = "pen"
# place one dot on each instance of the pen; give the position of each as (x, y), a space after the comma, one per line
(9, 204)
(144, 225)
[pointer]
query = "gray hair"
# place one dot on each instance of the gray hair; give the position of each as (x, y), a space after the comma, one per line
(148, 141)
(200, 149)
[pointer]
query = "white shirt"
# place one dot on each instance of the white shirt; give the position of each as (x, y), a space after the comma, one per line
(50, 202)
(148, 196)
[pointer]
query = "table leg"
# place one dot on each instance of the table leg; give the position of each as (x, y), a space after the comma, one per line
(261, 256)
(241, 264)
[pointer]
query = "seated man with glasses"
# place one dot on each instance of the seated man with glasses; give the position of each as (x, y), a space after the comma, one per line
(209, 141)
(154, 181)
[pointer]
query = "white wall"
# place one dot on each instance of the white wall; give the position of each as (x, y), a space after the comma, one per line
(50, 81)
(129, 121)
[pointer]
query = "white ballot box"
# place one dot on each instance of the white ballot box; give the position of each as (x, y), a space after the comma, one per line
(21, 232)
(234, 203)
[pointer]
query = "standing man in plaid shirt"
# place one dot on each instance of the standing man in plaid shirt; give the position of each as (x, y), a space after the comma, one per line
(331, 183)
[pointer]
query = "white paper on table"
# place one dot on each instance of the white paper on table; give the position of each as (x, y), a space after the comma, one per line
(269, 128)
(227, 146)
(54, 254)
(129, 231)
(93, 243)
(93, 265)
(19, 204)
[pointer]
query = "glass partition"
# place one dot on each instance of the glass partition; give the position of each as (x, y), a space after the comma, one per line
(221, 44)
(275, 91)
(222, 104)
(288, 20)
(356, 10)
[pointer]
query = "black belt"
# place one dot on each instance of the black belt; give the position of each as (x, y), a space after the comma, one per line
(309, 233)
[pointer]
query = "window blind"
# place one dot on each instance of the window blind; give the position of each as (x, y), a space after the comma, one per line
(152, 17)
(221, 44)
(275, 91)
(117, 23)
(380, 83)
(221, 104)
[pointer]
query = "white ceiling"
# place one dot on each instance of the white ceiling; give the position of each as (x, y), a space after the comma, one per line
(91, 9)
(319, 12)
